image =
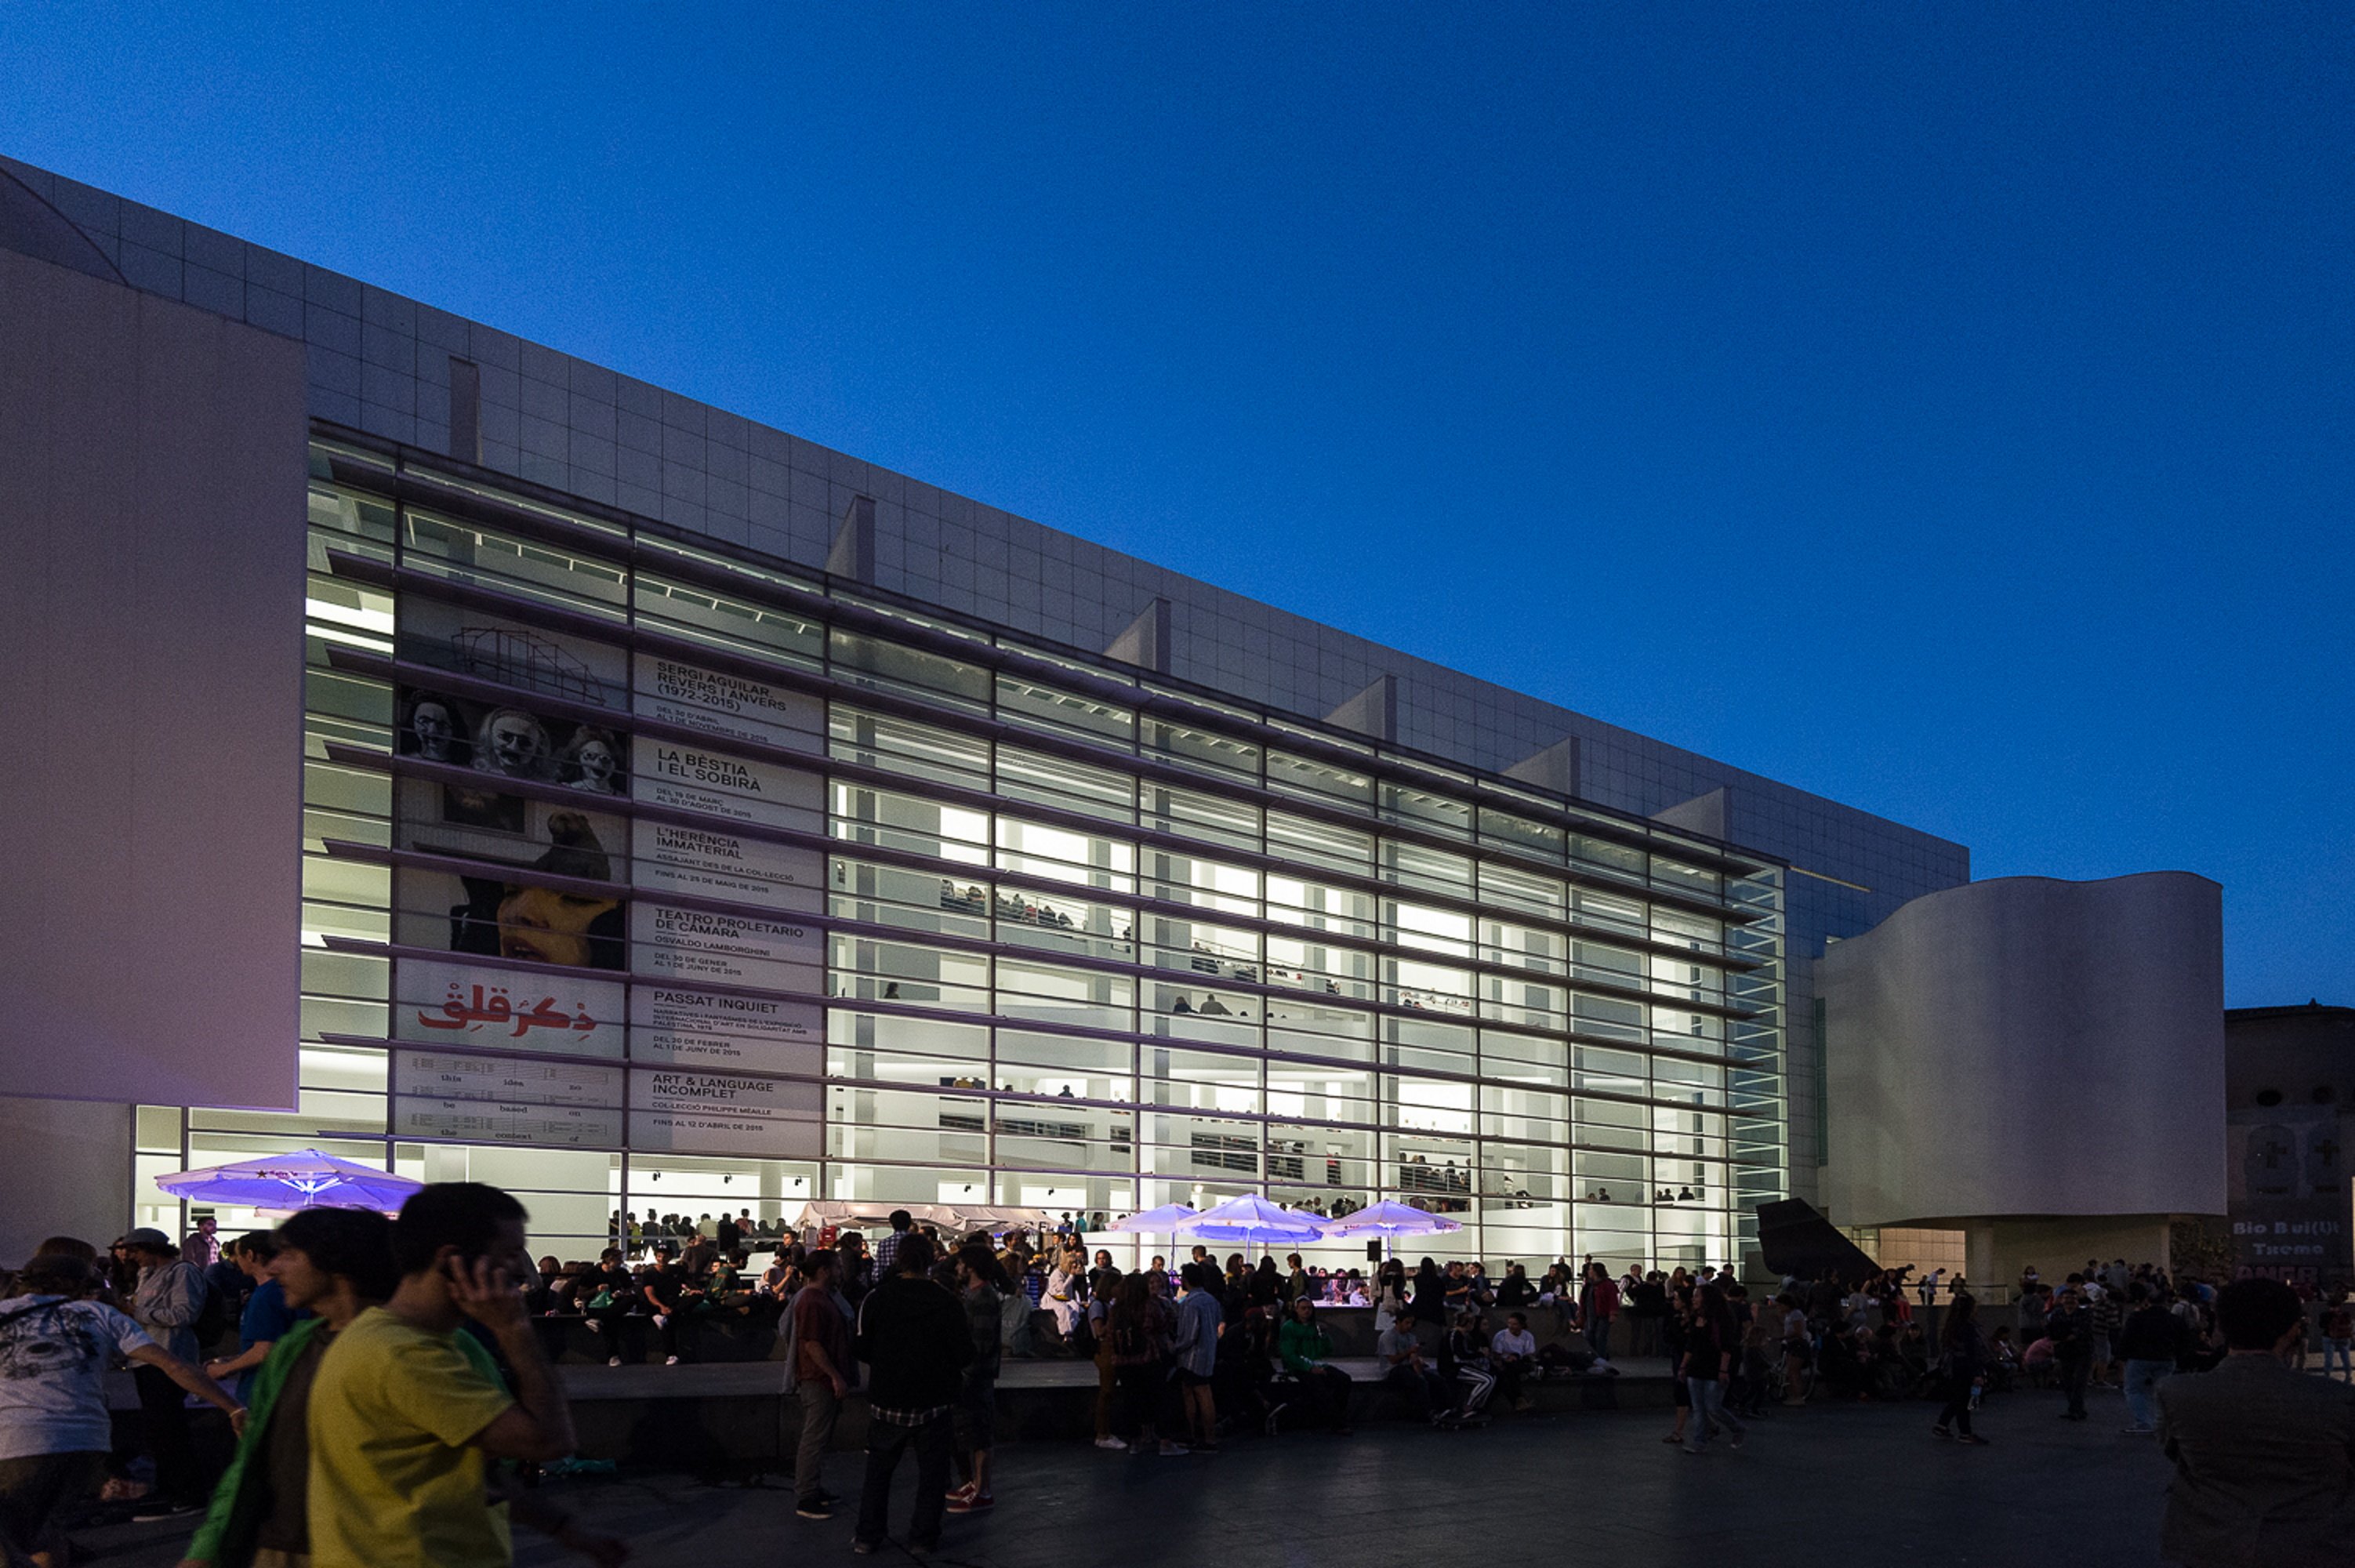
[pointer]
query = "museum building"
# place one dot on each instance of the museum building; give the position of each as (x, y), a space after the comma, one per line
(495, 767)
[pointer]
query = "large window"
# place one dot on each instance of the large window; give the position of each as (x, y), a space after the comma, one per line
(853, 903)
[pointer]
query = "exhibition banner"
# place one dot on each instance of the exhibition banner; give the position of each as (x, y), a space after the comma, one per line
(501, 1122)
(671, 1025)
(451, 1075)
(719, 864)
(508, 1009)
(692, 778)
(717, 704)
(496, 648)
(2287, 1193)
(735, 950)
(725, 1112)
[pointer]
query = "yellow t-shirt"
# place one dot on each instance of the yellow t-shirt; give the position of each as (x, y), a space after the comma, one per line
(393, 1483)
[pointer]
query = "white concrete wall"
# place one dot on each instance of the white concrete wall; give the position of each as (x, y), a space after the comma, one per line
(2027, 1046)
(151, 688)
(65, 1171)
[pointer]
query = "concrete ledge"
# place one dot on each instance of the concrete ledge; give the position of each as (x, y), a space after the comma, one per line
(716, 1418)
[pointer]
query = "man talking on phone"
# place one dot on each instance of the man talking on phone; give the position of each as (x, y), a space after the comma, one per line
(402, 1422)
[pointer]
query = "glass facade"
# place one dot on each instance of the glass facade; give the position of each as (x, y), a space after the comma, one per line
(642, 873)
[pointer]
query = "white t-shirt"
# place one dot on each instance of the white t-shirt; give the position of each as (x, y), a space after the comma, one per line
(1505, 1343)
(53, 1362)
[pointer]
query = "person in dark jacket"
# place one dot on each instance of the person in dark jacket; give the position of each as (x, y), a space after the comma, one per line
(914, 1338)
(2264, 1451)
(1430, 1303)
(2146, 1345)
(1962, 1367)
(2070, 1327)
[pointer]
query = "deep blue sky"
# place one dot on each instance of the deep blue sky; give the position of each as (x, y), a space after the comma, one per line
(1943, 409)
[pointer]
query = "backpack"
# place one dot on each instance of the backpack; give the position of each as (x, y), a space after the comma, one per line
(215, 1318)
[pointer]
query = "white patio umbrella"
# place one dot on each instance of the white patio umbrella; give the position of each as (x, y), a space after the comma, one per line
(1166, 1220)
(303, 1179)
(1253, 1220)
(1389, 1218)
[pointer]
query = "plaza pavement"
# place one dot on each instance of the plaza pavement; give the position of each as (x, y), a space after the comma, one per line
(1812, 1485)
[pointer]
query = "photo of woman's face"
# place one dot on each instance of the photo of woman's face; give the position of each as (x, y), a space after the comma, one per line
(548, 927)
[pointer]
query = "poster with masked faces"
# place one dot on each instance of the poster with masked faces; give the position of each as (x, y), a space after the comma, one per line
(725, 1112)
(717, 864)
(722, 1030)
(716, 703)
(496, 742)
(716, 784)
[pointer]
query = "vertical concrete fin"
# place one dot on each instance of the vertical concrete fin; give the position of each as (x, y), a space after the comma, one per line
(1554, 769)
(1373, 711)
(852, 556)
(1145, 643)
(1703, 813)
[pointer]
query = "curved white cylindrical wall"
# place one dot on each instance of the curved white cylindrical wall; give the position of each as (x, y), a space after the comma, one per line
(2027, 1046)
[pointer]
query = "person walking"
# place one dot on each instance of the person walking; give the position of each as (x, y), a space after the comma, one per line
(2070, 1327)
(887, 1250)
(265, 1319)
(333, 1264)
(2148, 1342)
(2109, 1314)
(2265, 1457)
(1105, 1291)
(981, 1287)
(1598, 1304)
(1196, 1345)
(1962, 1368)
(56, 1344)
(1712, 1343)
(168, 1303)
(2338, 1336)
(916, 1343)
(819, 1370)
(1798, 1350)
(403, 1420)
(1141, 1329)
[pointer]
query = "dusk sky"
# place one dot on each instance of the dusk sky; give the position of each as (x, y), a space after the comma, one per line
(1950, 410)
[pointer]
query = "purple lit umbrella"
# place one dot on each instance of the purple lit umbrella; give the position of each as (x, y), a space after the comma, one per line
(1255, 1221)
(1166, 1220)
(303, 1179)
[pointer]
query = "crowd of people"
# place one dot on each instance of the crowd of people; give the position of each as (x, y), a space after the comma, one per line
(391, 1387)
(363, 1426)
